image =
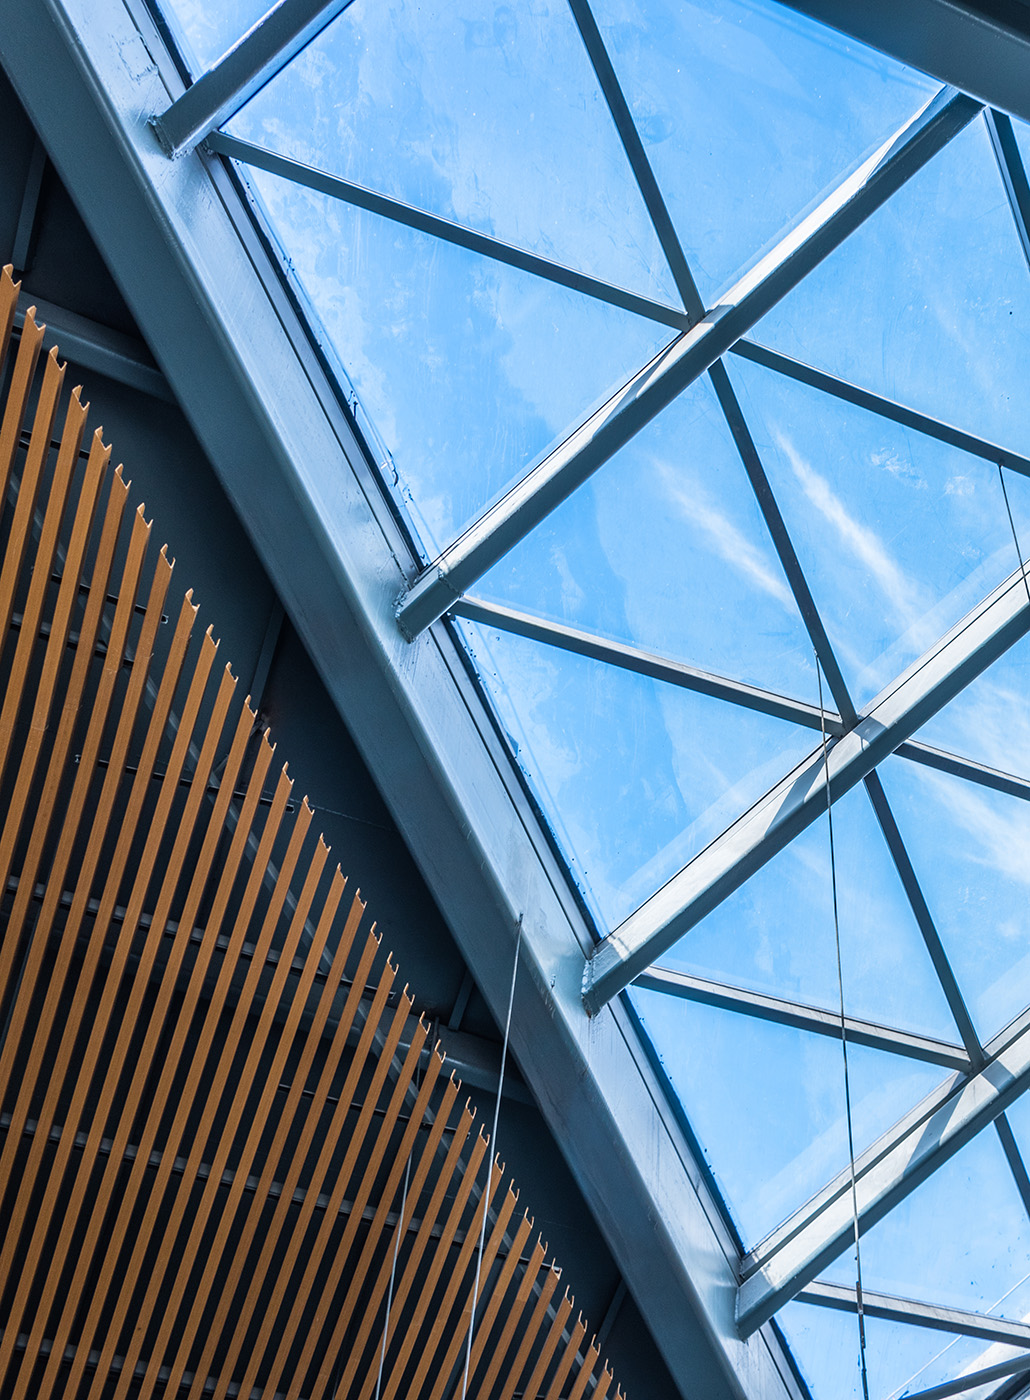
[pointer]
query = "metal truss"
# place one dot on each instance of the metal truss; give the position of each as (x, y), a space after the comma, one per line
(544, 488)
(799, 798)
(891, 1169)
(987, 1078)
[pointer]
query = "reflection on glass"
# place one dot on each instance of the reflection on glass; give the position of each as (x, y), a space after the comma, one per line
(775, 934)
(634, 776)
(979, 1262)
(771, 1119)
(665, 548)
(970, 848)
(469, 369)
(989, 721)
(748, 114)
(900, 1358)
(488, 115)
(205, 31)
(933, 295)
(898, 535)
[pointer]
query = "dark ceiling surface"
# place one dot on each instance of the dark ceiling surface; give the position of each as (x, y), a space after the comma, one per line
(42, 234)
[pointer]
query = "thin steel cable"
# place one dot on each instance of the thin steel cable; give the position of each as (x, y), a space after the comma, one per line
(844, 1044)
(489, 1162)
(1015, 537)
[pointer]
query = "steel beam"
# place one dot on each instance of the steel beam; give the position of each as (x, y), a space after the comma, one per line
(972, 1380)
(885, 1174)
(883, 407)
(958, 1321)
(96, 347)
(407, 214)
(1013, 175)
(504, 524)
(981, 46)
(643, 663)
(968, 768)
(801, 797)
(244, 70)
(805, 1018)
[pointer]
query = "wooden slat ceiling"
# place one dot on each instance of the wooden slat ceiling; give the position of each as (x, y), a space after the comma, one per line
(231, 1163)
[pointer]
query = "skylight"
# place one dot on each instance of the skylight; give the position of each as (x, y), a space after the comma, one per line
(498, 217)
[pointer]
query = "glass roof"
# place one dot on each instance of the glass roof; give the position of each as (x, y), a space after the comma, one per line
(559, 193)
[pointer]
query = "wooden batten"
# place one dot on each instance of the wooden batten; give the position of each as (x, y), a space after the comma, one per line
(223, 1170)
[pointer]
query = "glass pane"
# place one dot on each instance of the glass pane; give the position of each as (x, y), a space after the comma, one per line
(748, 114)
(665, 548)
(468, 369)
(989, 721)
(935, 295)
(901, 1359)
(979, 1262)
(970, 848)
(635, 777)
(483, 114)
(205, 31)
(898, 535)
(771, 1119)
(776, 934)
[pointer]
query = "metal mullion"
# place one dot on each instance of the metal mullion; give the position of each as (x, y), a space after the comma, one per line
(1014, 1158)
(782, 542)
(927, 927)
(959, 1321)
(783, 1012)
(876, 403)
(801, 796)
(661, 220)
(252, 62)
(445, 229)
(643, 663)
(973, 1379)
(1013, 174)
(966, 768)
(652, 388)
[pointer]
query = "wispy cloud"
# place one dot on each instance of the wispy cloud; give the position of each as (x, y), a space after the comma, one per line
(723, 536)
(904, 596)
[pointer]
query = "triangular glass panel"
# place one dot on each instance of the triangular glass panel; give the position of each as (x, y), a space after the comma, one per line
(487, 116)
(989, 721)
(634, 776)
(665, 548)
(979, 1263)
(468, 369)
(749, 113)
(775, 934)
(969, 848)
(934, 293)
(901, 1358)
(899, 535)
(771, 1121)
(205, 32)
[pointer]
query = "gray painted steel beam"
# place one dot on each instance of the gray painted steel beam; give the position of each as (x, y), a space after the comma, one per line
(884, 408)
(972, 1380)
(782, 1012)
(982, 48)
(97, 347)
(968, 768)
(502, 525)
(958, 1321)
(885, 1174)
(407, 214)
(244, 70)
(642, 663)
(801, 797)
